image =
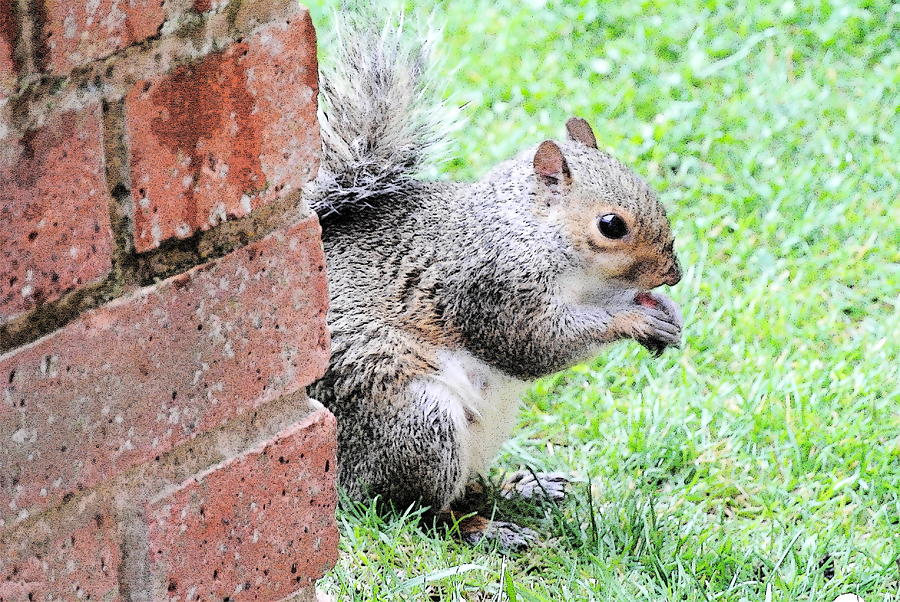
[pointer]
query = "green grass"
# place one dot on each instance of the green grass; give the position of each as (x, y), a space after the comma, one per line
(762, 460)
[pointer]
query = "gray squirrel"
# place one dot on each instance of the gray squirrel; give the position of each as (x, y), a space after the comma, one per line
(447, 298)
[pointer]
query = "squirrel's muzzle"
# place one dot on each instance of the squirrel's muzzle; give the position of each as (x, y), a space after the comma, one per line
(670, 275)
(673, 275)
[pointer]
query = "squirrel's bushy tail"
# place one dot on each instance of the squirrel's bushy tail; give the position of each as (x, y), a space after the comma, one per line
(381, 115)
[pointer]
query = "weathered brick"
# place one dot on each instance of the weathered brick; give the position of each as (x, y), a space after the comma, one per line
(9, 29)
(54, 208)
(65, 562)
(219, 137)
(128, 381)
(76, 33)
(259, 526)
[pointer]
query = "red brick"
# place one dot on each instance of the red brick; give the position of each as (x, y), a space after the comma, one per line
(54, 208)
(76, 33)
(128, 381)
(260, 526)
(221, 136)
(64, 563)
(8, 34)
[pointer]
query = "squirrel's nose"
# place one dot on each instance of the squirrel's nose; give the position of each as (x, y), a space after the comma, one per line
(673, 275)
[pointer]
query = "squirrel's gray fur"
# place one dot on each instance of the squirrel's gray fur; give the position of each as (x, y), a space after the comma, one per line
(381, 118)
(447, 298)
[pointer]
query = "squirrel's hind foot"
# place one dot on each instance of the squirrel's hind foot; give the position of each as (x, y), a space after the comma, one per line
(537, 486)
(510, 537)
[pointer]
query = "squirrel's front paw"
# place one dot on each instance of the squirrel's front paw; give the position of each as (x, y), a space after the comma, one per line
(655, 322)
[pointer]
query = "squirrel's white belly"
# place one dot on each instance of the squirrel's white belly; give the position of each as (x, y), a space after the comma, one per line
(483, 401)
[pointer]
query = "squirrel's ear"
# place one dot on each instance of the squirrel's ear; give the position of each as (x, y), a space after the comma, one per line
(550, 164)
(580, 131)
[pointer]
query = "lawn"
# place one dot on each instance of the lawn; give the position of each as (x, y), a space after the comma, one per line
(761, 461)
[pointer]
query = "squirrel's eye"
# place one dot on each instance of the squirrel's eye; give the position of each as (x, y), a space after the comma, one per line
(612, 226)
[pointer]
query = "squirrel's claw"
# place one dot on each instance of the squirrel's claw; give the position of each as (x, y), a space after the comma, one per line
(656, 346)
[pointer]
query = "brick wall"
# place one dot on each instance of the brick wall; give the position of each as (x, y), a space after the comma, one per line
(162, 303)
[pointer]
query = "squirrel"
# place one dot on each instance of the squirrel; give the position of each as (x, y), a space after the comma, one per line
(448, 299)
